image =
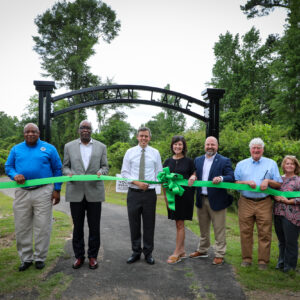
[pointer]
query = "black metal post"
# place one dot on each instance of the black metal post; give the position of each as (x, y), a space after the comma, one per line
(212, 97)
(44, 88)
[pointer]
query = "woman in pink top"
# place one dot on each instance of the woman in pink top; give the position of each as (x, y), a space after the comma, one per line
(287, 216)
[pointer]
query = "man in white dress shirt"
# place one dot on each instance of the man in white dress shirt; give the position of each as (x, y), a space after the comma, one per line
(141, 162)
(85, 156)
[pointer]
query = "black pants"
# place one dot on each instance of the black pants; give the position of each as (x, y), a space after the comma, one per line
(287, 234)
(93, 213)
(141, 205)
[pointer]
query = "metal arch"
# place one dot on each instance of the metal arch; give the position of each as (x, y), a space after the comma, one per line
(130, 87)
(124, 100)
(45, 88)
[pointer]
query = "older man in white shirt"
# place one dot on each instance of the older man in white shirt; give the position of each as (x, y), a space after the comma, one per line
(141, 162)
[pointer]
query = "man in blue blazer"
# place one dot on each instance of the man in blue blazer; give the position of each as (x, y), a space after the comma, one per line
(212, 202)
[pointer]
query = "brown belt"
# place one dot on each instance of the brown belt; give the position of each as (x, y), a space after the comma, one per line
(257, 199)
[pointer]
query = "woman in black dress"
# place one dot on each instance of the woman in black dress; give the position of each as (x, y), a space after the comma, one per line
(184, 204)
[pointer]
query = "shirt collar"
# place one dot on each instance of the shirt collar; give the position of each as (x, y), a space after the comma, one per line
(140, 148)
(90, 142)
(211, 157)
(256, 161)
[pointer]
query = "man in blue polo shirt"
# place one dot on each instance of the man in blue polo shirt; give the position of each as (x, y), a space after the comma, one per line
(256, 207)
(33, 159)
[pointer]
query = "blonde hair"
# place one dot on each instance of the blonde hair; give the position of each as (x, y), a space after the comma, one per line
(294, 160)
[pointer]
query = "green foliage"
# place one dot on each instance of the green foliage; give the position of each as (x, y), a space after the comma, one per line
(163, 146)
(8, 125)
(166, 123)
(247, 114)
(263, 7)
(66, 36)
(243, 71)
(285, 66)
(3, 157)
(115, 154)
(286, 70)
(234, 143)
(195, 143)
(115, 129)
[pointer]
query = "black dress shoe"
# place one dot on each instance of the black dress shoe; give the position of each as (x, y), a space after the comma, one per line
(133, 258)
(39, 265)
(25, 265)
(149, 259)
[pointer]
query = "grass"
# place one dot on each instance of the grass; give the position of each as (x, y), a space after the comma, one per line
(35, 281)
(270, 281)
(251, 278)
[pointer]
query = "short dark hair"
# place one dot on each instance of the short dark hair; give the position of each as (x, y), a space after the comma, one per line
(144, 129)
(179, 138)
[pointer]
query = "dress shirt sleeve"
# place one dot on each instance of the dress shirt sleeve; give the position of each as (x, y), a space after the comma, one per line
(275, 173)
(126, 169)
(10, 169)
(237, 173)
(56, 167)
(104, 163)
(158, 165)
(227, 172)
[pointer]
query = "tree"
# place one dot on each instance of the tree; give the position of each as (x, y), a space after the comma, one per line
(115, 129)
(66, 36)
(8, 125)
(167, 122)
(242, 69)
(263, 7)
(286, 66)
(115, 155)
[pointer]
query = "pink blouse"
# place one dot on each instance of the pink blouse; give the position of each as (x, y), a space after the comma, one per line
(289, 211)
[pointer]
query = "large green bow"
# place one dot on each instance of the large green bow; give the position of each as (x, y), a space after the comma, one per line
(171, 181)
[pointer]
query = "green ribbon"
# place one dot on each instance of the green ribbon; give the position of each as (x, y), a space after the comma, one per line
(171, 181)
(61, 179)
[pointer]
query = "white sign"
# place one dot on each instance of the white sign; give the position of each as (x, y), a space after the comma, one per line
(122, 186)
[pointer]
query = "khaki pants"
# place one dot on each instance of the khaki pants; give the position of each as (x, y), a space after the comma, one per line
(33, 217)
(260, 212)
(206, 216)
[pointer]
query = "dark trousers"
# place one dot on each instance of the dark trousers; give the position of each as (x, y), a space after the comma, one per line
(93, 213)
(287, 234)
(141, 205)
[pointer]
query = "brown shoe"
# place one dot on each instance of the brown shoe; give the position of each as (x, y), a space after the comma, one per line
(218, 261)
(262, 267)
(93, 264)
(78, 263)
(246, 264)
(198, 254)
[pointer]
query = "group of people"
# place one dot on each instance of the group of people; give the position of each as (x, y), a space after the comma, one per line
(33, 204)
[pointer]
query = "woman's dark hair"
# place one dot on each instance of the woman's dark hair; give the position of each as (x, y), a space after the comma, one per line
(179, 138)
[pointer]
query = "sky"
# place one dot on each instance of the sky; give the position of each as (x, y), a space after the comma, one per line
(160, 42)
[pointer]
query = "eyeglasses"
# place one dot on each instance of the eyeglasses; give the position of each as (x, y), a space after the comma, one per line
(85, 128)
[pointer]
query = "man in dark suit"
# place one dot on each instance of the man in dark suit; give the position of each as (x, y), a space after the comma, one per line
(85, 156)
(212, 202)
